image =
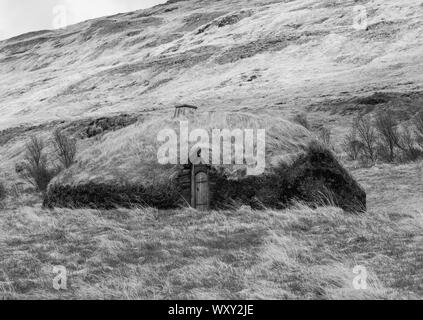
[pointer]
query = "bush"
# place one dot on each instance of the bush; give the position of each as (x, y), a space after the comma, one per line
(407, 144)
(389, 135)
(351, 145)
(384, 139)
(35, 169)
(367, 135)
(65, 148)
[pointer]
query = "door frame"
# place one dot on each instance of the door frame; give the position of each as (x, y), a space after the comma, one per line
(196, 169)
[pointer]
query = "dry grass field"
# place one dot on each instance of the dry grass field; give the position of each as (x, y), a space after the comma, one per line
(298, 253)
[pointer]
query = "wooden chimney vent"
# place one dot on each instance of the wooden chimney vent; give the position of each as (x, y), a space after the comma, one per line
(184, 109)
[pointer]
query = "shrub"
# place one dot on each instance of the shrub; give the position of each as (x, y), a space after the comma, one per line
(35, 169)
(384, 139)
(387, 128)
(407, 144)
(351, 145)
(302, 120)
(367, 136)
(65, 148)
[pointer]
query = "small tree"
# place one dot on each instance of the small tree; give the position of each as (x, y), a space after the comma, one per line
(367, 136)
(34, 169)
(351, 145)
(389, 134)
(407, 144)
(65, 148)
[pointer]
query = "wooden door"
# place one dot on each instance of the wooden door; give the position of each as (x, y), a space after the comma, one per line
(202, 191)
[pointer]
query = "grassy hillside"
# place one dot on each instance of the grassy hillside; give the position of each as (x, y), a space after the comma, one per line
(257, 56)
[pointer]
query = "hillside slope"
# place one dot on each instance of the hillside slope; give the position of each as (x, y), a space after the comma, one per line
(257, 56)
